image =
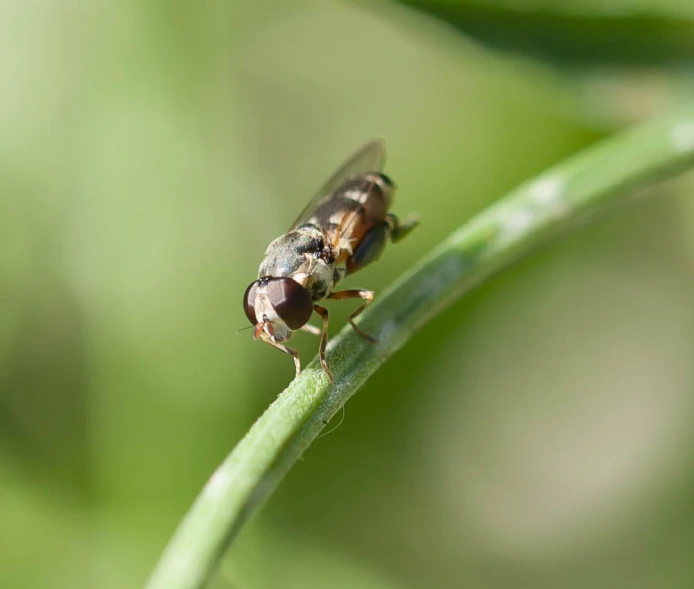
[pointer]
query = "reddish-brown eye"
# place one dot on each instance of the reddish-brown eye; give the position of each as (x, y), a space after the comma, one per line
(291, 301)
(249, 302)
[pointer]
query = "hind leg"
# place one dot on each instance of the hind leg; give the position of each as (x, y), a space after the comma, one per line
(399, 229)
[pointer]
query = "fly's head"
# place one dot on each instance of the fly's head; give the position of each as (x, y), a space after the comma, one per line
(277, 306)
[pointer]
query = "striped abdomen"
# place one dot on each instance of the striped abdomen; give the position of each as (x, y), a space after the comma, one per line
(352, 211)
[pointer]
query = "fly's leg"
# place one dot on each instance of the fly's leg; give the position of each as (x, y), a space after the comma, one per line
(323, 312)
(312, 329)
(291, 351)
(399, 229)
(367, 296)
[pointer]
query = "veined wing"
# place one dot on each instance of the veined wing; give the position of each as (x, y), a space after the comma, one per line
(369, 158)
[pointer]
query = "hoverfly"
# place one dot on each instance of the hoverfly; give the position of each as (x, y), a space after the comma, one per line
(344, 228)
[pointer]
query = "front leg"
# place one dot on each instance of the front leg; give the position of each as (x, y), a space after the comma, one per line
(291, 351)
(323, 312)
(356, 293)
(312, 329)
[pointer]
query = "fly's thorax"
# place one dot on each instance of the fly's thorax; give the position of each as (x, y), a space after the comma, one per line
(290, 253)
(338, 274)
(319, 279)
(301, 255)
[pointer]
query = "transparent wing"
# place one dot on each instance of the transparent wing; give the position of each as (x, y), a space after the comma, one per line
(370, 157)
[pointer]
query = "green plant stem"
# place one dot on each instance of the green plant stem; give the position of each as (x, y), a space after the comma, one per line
(548, 205)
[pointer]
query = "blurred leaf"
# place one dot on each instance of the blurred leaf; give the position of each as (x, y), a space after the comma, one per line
(301, 561)
(578, 34)
(612, 98)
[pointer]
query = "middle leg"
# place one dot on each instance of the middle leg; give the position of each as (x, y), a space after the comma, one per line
(356, 293)
(312, 329)
(323, 312)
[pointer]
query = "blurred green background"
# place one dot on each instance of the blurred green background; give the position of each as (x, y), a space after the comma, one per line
(538, 434)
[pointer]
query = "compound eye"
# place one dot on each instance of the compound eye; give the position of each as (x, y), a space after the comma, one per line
(291, 301)
(249, 302)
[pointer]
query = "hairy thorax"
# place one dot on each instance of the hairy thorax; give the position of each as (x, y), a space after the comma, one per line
(301, 255)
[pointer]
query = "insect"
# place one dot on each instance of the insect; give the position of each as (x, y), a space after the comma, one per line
(344, 228)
